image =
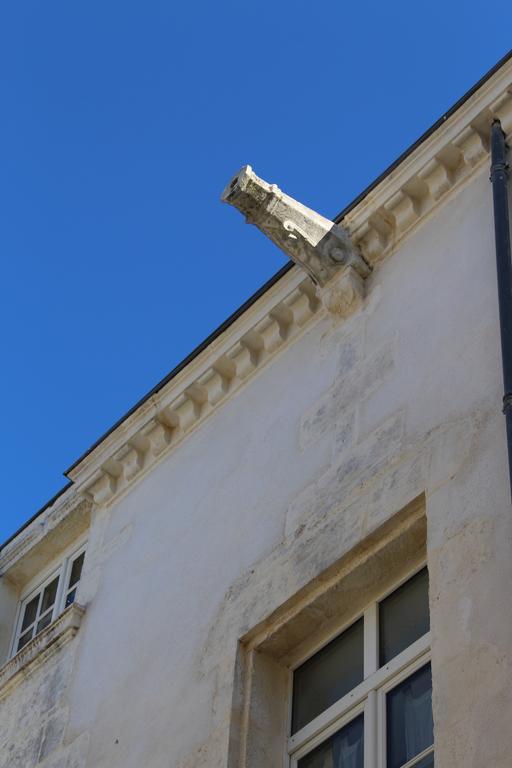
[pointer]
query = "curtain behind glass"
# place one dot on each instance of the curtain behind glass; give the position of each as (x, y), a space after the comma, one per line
(409, 726)
(345, 749)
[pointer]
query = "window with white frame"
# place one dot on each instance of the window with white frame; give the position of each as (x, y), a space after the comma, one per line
(364, 700)
(48, 599)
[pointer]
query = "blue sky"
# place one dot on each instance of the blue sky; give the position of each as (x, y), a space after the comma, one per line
(121, 124)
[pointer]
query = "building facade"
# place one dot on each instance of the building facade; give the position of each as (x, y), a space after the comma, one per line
(296, 551)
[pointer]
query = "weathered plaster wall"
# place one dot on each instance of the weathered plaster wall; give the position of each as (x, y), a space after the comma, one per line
(9, 596)
(34, 716)
(334, 437)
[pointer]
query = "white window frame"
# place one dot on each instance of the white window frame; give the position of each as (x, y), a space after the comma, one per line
(369, 697)
(66, 570)
(60, 568)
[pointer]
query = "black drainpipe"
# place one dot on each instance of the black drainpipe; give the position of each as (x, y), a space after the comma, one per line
(499, 179)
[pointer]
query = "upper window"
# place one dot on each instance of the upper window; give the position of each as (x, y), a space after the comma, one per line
(44, 603)
(366, 697)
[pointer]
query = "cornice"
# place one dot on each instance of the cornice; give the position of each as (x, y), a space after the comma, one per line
(446, 161)
(44, 645)
(390, 212)
(195, 394)
(167, 417)
(441, 165)
(48, 521)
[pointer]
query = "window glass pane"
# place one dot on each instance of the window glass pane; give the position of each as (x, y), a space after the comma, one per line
(327, 676)
(76, 570)
(70, 597)
(24, 639)
(342, 750)
(403, 617)
(409, 725)
(29, 614)
(49, 594)
(42, 623)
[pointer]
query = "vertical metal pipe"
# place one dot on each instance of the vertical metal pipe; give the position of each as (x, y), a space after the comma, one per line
(499, 179)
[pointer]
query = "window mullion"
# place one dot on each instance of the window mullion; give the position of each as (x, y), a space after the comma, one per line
(381, 730)
(370, 730)
(39, 606)
(371, 640)
(58, 606)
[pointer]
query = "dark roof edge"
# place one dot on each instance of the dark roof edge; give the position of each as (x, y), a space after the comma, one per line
(36, 515)
(264, 288)
(424, 136)
(188, 359)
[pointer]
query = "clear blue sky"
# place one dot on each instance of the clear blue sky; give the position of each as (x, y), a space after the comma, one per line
(121, 124)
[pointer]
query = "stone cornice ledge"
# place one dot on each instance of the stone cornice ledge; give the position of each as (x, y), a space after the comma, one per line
(404, 199)
(70, 502)
(147, 435)
(442, 164)
(35, 653)
(186, 401)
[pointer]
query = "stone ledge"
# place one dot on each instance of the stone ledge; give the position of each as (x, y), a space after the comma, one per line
(35, 653)
(174, 417)
(452, 156)
(61, 523)
(403, 200)
(441, 165)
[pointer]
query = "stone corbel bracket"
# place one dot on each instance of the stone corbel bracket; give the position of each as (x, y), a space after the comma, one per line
(322, 248)
(443, 164)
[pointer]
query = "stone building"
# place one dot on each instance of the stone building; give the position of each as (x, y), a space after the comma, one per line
(297, 549)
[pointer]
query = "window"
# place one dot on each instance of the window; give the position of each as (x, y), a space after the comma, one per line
(365, 698)
(44, 603)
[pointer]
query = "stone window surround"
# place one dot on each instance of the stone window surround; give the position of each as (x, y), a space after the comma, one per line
(57, 567)
(261, 715)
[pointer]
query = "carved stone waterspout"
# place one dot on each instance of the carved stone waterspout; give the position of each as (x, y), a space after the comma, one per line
(321, 247)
